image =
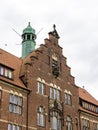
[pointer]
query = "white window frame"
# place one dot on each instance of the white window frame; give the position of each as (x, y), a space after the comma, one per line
(41, 117)
(41, 88)
(55, 93)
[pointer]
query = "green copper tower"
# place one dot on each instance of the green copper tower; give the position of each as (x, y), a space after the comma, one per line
(28, 43)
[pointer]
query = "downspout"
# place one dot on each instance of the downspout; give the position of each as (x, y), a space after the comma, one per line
(27, 111)
(80, 121)
(26, 78)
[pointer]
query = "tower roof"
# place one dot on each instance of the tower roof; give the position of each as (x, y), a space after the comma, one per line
(29, 29)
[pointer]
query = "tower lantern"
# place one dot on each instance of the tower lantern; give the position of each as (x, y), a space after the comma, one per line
(28, 42)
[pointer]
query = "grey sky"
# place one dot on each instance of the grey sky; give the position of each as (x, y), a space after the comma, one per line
(76, 22)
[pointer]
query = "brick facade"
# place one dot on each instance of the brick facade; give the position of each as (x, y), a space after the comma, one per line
(43, 91)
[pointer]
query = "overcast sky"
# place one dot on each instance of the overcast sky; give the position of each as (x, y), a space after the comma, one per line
(76, 22)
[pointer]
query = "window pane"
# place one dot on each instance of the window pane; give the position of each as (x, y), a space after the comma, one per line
(41, 88)
(55, 120)
(20, 110)
(55, 93)
(68, 99)
(85, 124)
(20, 101)
(51, 93)
(18, 128)
(13, 127)
(11, 107)
(42, 123)
(11, 98)
(10, 74)
(1, 70)
(6, 72)
(43, 91)
(40, 117)
(68, 123)
(15, 99)
(15, 104)
(55, 123)
(0, 94)
(58, 95)
(9, 127)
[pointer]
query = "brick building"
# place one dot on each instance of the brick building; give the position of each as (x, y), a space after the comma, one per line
(13, 93)
(37, 91)
(88, 111)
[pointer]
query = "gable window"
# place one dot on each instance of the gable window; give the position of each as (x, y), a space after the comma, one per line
(95, 126)
(15, 104)
(85, 124)
(41, 116)
(68, 99)
(41, 88)
(55, 68)
(68, 123)
(14, 127)
(54, 93)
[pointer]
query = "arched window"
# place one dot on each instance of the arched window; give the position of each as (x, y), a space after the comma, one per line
(68, 123)
(41, 116)
(85, 124)
(55, 120)
(95, 126)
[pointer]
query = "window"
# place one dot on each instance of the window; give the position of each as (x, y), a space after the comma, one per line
(96, 109)
(54, 93)
(41, 88)
(28, 37)
(68, 123)
(6, 72)
(1, 70)
(68, 99)
(89, 107)
(85, 124)
(55, 68)
(95, 126)
(55, 120)
(13, 127)
(41, 116)
(0, 94)
(15, 104)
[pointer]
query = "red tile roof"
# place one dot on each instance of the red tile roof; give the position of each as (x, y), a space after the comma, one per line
(83, 94)
(13, 62)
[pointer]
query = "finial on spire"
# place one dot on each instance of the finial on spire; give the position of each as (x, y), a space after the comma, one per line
(29, 23)
(54, 27)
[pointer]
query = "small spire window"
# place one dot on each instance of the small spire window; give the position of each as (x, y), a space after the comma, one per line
(28, 37)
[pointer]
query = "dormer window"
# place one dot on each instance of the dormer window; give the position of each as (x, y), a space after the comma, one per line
(6, 72)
